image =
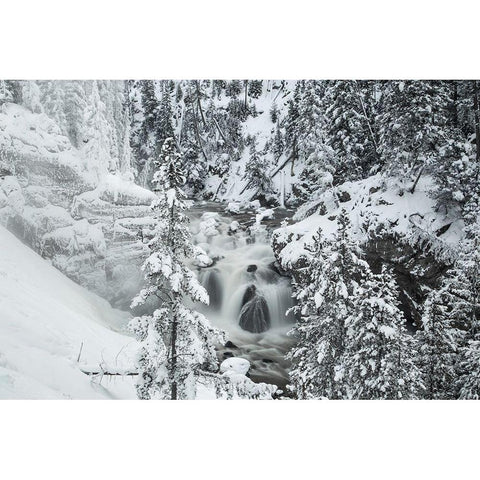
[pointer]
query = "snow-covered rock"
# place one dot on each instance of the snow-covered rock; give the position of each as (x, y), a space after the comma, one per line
(235, 365)
(93, 224)
(419, 243)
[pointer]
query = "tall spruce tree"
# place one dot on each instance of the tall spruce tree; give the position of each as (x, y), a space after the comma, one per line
(96, 138)
(379, 356)
(464, 285)
(177, 343)
(256, 173)
(324, 294)
(413, 127)
(349, 107)
(438, 344)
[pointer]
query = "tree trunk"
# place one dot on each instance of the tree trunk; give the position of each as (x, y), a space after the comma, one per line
(199, 103)
(246, 93)
(477, 121)
(294, 156)
(416, 180)
(173, 346)
(197, 134)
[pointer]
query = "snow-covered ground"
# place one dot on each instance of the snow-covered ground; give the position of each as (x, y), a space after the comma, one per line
(44, 319)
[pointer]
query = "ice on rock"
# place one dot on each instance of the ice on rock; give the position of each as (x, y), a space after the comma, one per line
(235, 365)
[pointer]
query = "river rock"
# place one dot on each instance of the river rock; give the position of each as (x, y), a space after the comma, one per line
(252, 268)
(235, 365)
(254, 315)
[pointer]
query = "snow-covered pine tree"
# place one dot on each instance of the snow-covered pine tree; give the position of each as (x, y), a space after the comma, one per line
(6, 94)
(469, 365)
(380, 354)
(255, 88)
(164, 121)
(31, 96)
(464, 287)
(325, 293)
(146, 145)
(53, 101)
(438, 343)
(177, 343)
(75, 105)
(256, 174)
(278, 144)
(96, 148)
(350, 130)
(379, 357)
(412, 126)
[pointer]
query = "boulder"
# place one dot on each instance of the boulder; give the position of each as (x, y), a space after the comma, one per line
(254, 315)
(235, 365)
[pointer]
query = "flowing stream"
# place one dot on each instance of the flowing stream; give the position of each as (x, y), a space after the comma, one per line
(249, 297)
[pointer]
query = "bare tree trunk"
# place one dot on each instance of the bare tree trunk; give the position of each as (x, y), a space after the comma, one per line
(245, 82)
(173, 345)
(477, 120)
(416, 180)
(294, 156)
(199, 103)
(197, 134)
(220, 131)
(278, 169)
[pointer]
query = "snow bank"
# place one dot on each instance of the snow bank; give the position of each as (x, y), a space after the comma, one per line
(44, 319)
(369, 203)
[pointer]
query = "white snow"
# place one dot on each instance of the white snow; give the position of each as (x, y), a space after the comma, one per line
(44, 319)
(235, 365)
(369, 203)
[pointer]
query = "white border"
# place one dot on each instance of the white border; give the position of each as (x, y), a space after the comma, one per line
(238, 39)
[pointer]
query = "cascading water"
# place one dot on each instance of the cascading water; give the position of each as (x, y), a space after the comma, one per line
(248, 297)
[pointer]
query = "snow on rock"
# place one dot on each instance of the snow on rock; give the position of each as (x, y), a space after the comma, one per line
(369, 203)
(234, 226)
(12, 200)
(50, 196)
(235, 365)
(44, 319)
(233, 207)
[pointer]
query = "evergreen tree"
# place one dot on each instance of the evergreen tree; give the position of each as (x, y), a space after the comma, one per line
(96, 149)
(31, 96)
(464, 287)
(164, 121)
(256, 173)
(274, 113)
(146, 142)
(278, 145)
(350, 129)
(255, 88)
(379, 357)
(412, 126)
(53, 101)
(438, 343)
(75, 105)
(324, 295)
(469, 382)
(177, 343)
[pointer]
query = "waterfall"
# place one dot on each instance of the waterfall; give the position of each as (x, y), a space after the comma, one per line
(249, 299)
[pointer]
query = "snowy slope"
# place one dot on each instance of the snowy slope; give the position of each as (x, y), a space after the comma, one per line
(44, 318)
(369, 203)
